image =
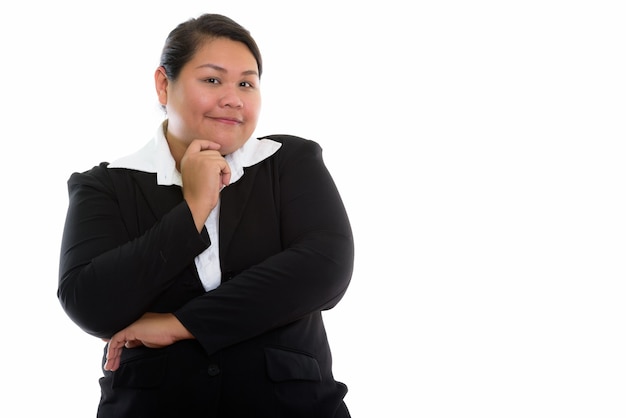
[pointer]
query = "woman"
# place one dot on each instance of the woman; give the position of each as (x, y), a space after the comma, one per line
(205, 258)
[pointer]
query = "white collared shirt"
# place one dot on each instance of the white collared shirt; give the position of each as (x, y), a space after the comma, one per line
(155, 157)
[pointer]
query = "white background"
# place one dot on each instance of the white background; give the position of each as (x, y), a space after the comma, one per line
(479, 148)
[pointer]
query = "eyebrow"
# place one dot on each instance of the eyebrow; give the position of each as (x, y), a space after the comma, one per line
(224, 70)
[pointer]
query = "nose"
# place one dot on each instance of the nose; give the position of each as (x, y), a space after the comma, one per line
(230, 98)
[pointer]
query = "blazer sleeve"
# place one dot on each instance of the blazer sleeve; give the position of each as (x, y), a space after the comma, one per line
(309, 275)
(109, 272)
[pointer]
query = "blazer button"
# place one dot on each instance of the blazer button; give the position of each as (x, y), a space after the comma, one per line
(213, 370)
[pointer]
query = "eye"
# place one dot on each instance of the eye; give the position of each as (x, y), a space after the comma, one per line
(211, 80)
(246, 84)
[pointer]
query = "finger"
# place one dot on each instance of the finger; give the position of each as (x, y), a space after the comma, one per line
(114, 352)
(112, 364)
(225, 173)
(198, 145)
(113, 360)
(113, 349)
(225, 178)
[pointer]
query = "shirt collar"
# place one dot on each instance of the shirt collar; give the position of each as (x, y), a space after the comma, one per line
(155, 157)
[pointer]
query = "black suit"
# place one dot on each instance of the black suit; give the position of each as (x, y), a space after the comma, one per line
(286, 254)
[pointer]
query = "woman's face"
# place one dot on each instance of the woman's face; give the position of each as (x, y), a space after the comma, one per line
(216, 96)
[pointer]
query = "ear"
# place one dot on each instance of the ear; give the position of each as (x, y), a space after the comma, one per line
(160, 83)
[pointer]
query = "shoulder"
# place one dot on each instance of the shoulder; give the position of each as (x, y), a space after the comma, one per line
(102, 177)
(97, 173)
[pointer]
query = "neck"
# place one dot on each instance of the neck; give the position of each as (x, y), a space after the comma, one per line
(177, 147)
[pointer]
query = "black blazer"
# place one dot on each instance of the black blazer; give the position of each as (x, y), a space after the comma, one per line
(286, 254)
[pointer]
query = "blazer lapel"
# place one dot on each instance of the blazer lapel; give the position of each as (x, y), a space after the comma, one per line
(160, 199)
(233, 200)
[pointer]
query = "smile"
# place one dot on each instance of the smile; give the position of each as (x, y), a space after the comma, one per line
(228, 121)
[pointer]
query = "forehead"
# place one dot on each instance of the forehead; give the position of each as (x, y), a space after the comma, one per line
(225, 53)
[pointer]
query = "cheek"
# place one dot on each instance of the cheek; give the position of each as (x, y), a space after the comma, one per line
(253, 107)
(196, 99)
(201, 102)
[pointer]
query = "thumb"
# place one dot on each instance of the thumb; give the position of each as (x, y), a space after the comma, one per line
(133, 344)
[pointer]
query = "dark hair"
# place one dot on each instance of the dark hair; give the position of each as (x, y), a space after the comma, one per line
(182, 42)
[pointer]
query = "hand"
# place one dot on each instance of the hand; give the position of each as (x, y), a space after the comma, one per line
(153, 330)
(204, 173)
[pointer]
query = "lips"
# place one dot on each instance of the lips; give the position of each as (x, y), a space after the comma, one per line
(227, 120)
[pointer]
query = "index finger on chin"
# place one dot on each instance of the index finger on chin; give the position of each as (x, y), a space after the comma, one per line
(204, 145)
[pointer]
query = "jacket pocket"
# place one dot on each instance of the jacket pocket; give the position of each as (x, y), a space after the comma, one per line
(283, 365)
